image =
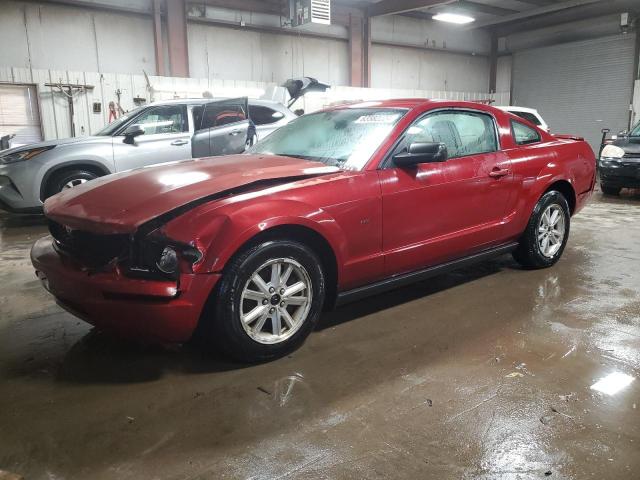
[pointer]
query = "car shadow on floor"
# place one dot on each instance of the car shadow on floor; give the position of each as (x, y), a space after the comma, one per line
(101, 358)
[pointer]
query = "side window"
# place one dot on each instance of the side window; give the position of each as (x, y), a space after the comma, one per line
(264, 115)
(524, 135)
(464, 133)
(219, 115)
(165, 119)
(528, 116)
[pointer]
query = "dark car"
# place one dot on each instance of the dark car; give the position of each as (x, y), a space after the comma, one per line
(619, 165)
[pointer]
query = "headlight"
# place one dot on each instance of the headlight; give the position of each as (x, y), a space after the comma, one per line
(612, 151)
(21, 155)
(158, 256)
(168, 262)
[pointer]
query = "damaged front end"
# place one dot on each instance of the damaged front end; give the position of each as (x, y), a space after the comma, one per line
(143, 254)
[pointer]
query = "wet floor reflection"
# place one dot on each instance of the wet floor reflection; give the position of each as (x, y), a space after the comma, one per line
(490, 372)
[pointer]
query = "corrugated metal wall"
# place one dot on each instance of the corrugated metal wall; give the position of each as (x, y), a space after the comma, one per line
(578, 87)
(55, 111)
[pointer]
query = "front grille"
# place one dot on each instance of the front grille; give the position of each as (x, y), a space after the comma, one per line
(90, 249)
(632, 155)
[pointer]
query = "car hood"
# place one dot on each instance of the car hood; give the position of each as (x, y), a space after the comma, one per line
(122, 202)
(57, 143)
(628, 144)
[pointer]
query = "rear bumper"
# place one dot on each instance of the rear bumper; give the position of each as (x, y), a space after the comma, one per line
(149, 310)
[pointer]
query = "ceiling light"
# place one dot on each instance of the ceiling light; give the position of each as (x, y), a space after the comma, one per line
(453, 18)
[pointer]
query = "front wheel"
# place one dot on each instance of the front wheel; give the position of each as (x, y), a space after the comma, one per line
(68, 179)
(546, 234)
(267, 302)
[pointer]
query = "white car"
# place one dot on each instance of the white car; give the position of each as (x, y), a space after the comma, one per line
(529, 114)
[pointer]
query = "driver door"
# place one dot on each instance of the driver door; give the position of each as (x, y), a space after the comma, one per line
(166, 138)
(440, 211)
(221, 128)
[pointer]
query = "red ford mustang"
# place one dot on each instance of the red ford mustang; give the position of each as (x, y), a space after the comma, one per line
(335, 206)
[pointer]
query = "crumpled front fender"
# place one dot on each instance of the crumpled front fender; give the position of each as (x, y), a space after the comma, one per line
(220, 233)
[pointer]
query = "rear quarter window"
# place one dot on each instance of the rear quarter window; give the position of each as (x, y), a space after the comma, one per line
(264, 115)
(530, 117)
(524, 135)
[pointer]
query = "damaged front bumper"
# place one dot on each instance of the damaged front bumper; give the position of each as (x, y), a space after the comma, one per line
(165, 311)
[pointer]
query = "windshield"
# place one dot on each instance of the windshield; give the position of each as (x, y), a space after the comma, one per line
(345, 138)
(116, 124)
(635, 132)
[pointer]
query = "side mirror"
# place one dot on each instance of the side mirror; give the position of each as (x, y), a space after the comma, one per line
(132, 132)
(421, 153)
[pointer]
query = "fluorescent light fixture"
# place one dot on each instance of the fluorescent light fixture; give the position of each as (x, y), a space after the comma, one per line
(612, 383)
(453, 18)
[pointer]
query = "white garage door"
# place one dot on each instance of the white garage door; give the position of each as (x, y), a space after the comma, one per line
(579, 87)
(19, 114)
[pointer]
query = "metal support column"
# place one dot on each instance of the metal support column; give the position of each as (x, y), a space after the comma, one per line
(177, 32)
(157, 37)
(493, 64)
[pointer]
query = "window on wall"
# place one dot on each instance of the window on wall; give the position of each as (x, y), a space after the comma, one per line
(524, 135)
(463, 132)
(165, 119)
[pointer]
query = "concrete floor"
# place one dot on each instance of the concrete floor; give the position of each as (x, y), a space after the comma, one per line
(483, 373)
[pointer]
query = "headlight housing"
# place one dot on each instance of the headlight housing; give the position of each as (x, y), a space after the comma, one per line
(21, 155)
(156, 255)
(612, 151)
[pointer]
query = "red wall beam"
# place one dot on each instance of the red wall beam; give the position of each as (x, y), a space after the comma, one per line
(177, 32)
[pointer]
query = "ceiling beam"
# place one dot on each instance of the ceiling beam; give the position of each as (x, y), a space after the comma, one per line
(393, 7)
(534, 12)
(586, 12)
(477, 7)
(539, 3)
(259, 6)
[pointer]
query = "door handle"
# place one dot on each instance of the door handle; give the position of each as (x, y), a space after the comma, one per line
(179, 142)
(499, 172)
(234, 133)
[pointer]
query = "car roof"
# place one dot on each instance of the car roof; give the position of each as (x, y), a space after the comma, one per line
(514, 108)
(199, 101)
(411, 103)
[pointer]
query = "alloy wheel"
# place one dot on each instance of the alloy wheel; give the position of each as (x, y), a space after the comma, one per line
(276, 301)
(74, 183)
(551, 230)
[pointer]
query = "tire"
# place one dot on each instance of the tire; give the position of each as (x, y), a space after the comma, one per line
(607, 190)
(66, 179)
(256, 339)
(533, 252)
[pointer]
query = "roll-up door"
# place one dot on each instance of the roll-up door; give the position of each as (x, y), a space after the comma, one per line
(579, 87)
(19, 114)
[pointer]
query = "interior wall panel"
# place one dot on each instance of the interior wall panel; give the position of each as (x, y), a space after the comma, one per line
(223, 53)
(400, 67)
(50, 36)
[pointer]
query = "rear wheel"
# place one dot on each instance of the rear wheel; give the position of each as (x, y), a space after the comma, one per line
(68, 179)
(607, 190)
(546, 234)
(267, 302)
